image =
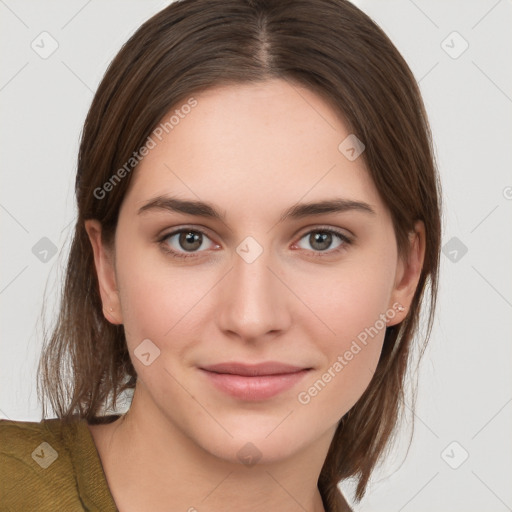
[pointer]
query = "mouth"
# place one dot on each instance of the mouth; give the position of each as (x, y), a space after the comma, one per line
(254, 382)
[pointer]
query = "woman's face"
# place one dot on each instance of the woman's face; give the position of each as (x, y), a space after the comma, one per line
(256, 277)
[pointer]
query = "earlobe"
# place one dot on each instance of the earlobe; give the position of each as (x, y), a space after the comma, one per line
(105, 270)
(408, 275)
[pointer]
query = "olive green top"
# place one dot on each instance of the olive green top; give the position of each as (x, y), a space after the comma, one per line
(49, 466)
(54, 465)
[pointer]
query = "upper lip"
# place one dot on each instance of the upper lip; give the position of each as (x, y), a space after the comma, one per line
(254, 370)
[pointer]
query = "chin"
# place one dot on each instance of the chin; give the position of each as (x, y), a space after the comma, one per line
(256, 451)
(252, 443)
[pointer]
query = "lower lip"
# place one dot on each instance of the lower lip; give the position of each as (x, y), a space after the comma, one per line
(254, 388)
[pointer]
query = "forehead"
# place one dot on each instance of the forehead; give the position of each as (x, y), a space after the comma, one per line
(251, 145)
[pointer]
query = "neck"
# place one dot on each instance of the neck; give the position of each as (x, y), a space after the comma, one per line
(163, 466)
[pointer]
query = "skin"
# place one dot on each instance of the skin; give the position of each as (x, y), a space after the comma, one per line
(252, 151)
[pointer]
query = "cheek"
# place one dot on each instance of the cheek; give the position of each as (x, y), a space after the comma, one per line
(350, 355)
(349, 300)
(354, 308)
(159, 301)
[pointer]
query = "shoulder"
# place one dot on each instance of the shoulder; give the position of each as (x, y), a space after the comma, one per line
(25, 443)
(36, 470)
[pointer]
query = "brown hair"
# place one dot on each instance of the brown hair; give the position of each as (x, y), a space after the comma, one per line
(336, 51)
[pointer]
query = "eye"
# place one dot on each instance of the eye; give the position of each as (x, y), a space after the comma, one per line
(183, 241)
(188, 242)
(321, 240)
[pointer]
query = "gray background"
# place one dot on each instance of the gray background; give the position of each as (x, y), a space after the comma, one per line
(464, 404)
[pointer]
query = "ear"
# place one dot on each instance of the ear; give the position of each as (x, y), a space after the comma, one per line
(407, 275)
(105, 269)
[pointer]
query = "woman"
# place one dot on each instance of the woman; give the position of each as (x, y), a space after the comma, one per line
(258, 219)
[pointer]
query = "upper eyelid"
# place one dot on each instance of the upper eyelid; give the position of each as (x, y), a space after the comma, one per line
(319, 227)
(177, 231)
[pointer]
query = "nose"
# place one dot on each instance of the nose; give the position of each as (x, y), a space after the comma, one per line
(253, 300)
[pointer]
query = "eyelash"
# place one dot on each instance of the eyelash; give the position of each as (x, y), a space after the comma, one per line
(345, 239)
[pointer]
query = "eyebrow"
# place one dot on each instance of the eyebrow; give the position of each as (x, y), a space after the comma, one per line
(298, 211)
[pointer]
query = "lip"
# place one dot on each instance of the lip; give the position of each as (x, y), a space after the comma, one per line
(254, 382)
